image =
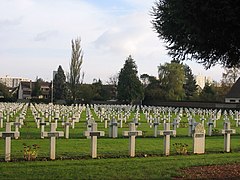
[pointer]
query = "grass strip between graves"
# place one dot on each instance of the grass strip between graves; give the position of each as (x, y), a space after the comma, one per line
(120, 168)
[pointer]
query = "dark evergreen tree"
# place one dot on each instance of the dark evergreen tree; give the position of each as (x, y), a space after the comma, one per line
(129, 86)
(203, 30)
(59, 85)
(190, 85)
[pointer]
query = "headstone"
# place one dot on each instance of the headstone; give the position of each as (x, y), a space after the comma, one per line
(155, 126)
(56, 118)
(42, 125)
(199, 139)
(17, 125)
(89, 126)
(7, 136)
(113, 128)
(132, 133)
(210, 125)
(175, 123)
(37, 120)
(94, 134)
(202, 119)
(236, 118)
(166, 133)
(66, 125)
(53, 134)
(135, 121)
(227, 131)
(105, 122)
(1, 119)
(191, 125)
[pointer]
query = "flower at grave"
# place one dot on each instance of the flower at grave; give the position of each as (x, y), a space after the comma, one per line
(30, 152)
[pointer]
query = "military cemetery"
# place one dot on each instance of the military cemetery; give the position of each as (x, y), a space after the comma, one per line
(134, 139)
(68, 110)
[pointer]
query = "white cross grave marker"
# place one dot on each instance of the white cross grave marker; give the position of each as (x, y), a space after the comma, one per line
(53, 134)
(1, 119)
(7, 136)
(42, 125)
(94, 134)
(66, 127)
(227, 131)
(166, 133)
(132, 133)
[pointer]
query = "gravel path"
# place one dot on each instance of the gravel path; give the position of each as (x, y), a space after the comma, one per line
(229, 171)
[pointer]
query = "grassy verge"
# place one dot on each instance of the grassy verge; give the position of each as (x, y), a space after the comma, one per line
(120, 168)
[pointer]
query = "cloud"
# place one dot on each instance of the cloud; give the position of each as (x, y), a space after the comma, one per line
(8, 23)
(43, 36)
(38, 34)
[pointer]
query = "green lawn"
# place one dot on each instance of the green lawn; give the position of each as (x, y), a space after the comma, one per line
(112, 168)
(73, 159)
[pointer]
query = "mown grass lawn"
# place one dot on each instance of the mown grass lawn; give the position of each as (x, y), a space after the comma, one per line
(73, 159)
(112, 168)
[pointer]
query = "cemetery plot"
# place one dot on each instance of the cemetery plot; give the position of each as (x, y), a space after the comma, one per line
(33, 122)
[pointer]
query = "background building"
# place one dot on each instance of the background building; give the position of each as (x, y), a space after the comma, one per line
(12, 82)
(202, 80)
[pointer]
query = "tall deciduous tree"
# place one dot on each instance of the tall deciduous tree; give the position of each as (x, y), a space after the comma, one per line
(230, 75)
(75, 67)
(172, 77)
(203, 30)
(129, 86)
(59, 85)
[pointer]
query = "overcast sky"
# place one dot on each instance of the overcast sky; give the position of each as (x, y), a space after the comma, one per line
(35, 38)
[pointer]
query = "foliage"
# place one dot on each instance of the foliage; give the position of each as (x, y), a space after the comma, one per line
(230, 75)
(189, 85)
(112, 82)
(59, 85)
(180, 148)
(75, 67)
(4, 91)
(30, 152)
(129, 86)
(171, 77)
(97, 87)
(36, 90)
(202, 30)
(86, 93)
(152, 90)
(208, 93)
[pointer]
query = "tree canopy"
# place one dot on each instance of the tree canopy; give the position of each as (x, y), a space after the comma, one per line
(4, 93)
(59, 85)
(171, 77)
(75, 67)
(203, 30)
(129, 86)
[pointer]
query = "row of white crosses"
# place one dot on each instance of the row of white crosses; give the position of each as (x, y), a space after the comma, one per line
(135, 124)
(8, 134)
(69, 116)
